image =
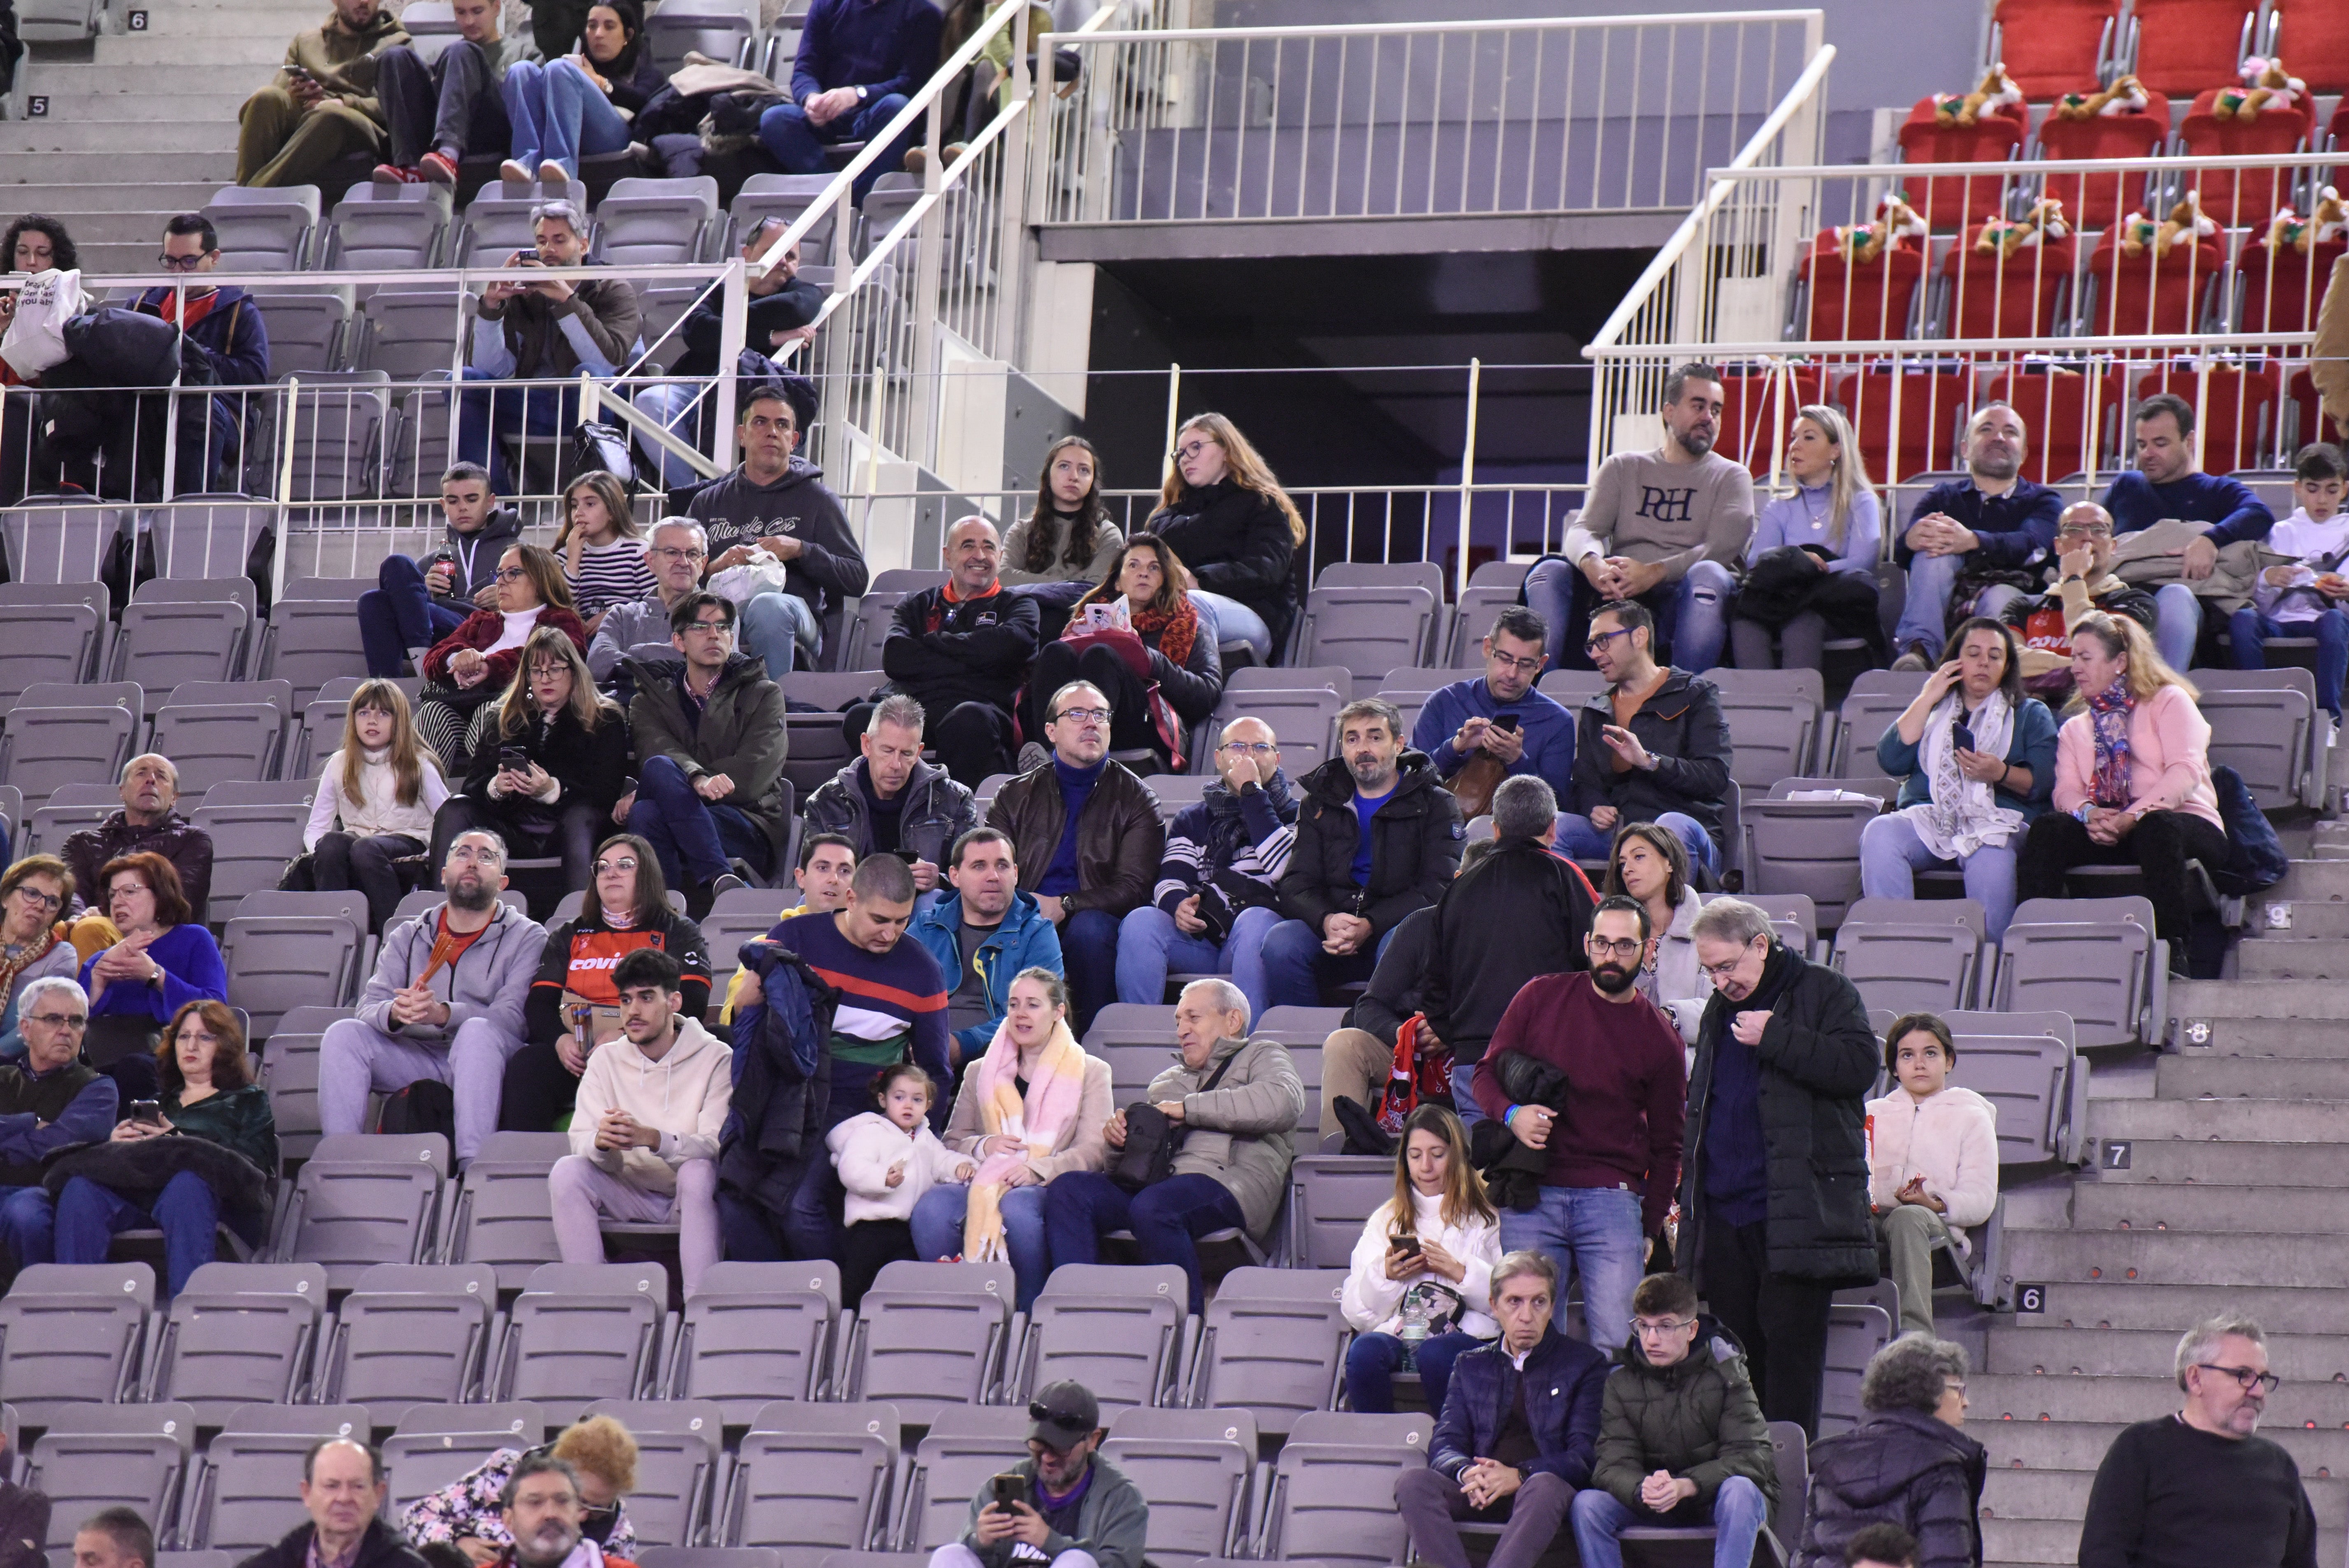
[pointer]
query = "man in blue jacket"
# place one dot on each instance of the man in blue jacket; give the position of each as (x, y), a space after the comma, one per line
(1502, 716)
(1518, 1433)
(983, 934)
(2166, 483)
(224, 323)
(859, 61)
(1993, 521)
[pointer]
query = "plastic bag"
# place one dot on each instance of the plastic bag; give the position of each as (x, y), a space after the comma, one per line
(37, 336)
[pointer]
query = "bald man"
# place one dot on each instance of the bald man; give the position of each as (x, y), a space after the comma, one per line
(962, 650)
(342, 1491)
(146, 824)
(2082, 581)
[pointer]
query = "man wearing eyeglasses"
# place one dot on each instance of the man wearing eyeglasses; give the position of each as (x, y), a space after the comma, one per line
(49, 1098)
(222, 324)
(2084, 581)
(1651, 748)
(676, 550)
(1501, 716)
(1072, 1509)
(1967, 534)
(2201, 1487)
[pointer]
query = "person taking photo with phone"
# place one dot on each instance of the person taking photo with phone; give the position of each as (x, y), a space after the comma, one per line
(1063, 1505)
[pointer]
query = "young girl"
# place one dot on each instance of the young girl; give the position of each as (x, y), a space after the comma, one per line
(375, 801)
(887, 1158)
(1932, 1160)
(602, 554)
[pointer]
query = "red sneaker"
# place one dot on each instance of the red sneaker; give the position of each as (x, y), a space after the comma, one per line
(393, 174)
(438, 169)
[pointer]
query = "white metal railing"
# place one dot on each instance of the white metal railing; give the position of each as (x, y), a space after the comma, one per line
(1603, 114)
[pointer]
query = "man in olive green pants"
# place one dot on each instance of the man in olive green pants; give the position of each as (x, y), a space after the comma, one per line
(322, 105)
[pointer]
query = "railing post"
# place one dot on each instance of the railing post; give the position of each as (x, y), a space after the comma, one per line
(1174, 417)
(1468, 480)
(733, 326)
(930, 234)
(284, 490)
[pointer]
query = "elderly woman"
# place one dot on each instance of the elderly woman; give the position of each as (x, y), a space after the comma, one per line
(465, 1512)
(33, 894)
(1908, 1464)
(166, 959)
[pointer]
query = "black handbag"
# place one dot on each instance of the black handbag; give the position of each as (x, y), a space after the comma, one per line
(597, 445)
(1152, 1139)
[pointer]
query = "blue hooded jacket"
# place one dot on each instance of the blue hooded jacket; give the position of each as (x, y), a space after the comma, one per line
(1025, 940)
(230, 334)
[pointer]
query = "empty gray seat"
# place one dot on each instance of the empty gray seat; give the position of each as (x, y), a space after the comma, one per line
(73, 1335)
(1333, 1488)
(715, 28)
(1198, 1468)
(44, 643)
(387, 228)
(867, 629)
(104, 1456)
(1472, 623)
(1909, 955)
(289, 1076)
(1570, 688)
(264, 229)
(965, 1446)
(1272, 1341)
(208, 535)
(757, 1333)
(312, 641)
(288, 950)
(2264, 725)
(245, 1494)
(240, 1333)
(680, 1448)
(932, 1335)
(497, 222)
(163, 643)
(1370, 629)
(43, 748)
(410, 1332)
(1876, 698)
(1807, 846)
(438, 1444)
(364, 1199)
(308, 328)
(410, 334)
(2094, 959)
(58, 542)
(227, 744)
(1118, 1330)
(1855, 1334)
(341, 420)
(1137, 1040)
(1332, 1197)
(582, 1332)
(818, 749)
(504, 1216)
(811, 1479)
(2029, 1068)
(256, 827)
(1772, 715)
(650, 222)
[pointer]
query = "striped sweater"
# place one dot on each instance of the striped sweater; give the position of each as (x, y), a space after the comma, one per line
(1240, 843)
(892, 999)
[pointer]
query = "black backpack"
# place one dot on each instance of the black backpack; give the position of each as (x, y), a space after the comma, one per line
(428, 1105)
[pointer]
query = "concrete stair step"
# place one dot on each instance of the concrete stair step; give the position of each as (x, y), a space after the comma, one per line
(2030, 1542)
(2275, 999)
(2230, 1077)
(2311, 881)
(261, 51)
(2002, 1398)
(2302, 918)
(162, 195)
(2316, 1038)
(2219, 1121)
(2296, 957)
(120, 228)
(2175, 1257)
(280, 23)
(82, 131)
(163, 119)
(81, 170)
(153, 77)
(2168, 1161)
(2207, 1207)
(2323, 1453)
(2148, 1353)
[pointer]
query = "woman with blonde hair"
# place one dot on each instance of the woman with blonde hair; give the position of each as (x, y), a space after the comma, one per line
(375, 801)
(1236, 531)
(1420, 1285)
(468, 1513)
(1831, 528)
(2132, 778)
(473, 666)
(602, 550)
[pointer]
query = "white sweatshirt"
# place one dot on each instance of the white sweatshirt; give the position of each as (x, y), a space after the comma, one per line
(862, 1149)
(377, 810)
(1950, 1138)
(1373, 1303)
(684, 1095)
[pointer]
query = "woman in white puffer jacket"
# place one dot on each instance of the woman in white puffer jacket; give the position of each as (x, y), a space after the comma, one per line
(1932, 1160)
(1437, 1239)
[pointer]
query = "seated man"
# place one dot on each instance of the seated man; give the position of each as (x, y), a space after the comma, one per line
(778, 314)
(891, 802)
(1681, 1440)
(445, 1002)
(1880, 1546)
(1075, 1509)
(1377, 837)
(827, 868)
(1516, 1437)
(859, 61)
(2083, 582)
(322, 105)
(1653, 747)
(1502, 716)
(1965, 533)
(643, 1134)
(709, 754)
(1933, 1160)
(778, 502)
(983, 934)
(1245, 1095)
(224, 328)
(146, 825)
(2169, 485)
(435, 114)
(1087, 835)
(964, 649)
(413, 606)
(49, 1098)
(342, 1491)
(114, 1538)
(675, 550)
(1218, 891)
(549, 330)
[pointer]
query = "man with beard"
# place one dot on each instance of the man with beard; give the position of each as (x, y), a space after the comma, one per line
(342, 1491)
(1665, 528)
(540, 1509)
(1615, 1149)
(2168, 483)
(1074, 1509)
(445, 1002)
(1968, 534)
(1651, 748)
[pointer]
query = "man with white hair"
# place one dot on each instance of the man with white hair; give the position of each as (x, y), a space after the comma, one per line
(49, 1098)
(676, 551)
(2200, 1487)
(1992, 522)
(1233, 1101)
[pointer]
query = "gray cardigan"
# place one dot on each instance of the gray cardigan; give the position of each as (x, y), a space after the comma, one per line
(490, 980)
(1112, 1520)
(1238, 1131)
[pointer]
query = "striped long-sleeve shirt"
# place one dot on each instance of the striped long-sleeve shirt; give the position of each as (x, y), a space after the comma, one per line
(1239, 842)
(892, 1004)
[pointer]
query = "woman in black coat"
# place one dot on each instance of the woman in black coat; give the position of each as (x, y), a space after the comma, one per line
(1226, 515)
(1908, 1464)
(1169, 634)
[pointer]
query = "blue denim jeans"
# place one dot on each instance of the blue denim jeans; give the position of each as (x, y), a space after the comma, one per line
(28, 1226)
(186, 1212)
(1463, 1102)
(1083, 1206)
(937, 1232)
(1373, 1359)
(677, 405)
(1598, 1231)
(1925, 613)
(1148, 945)
(2176, 624)
(1295, 969)
(691, 836)
(2247, 629)
(557, 113)
(491, 408)
(399, 614)
(1579, 840)
(1692, 614)
(1089, 962)
(798, 144)
(1235, 623)
(1891, 856)
(1738, 1513)
(773, 625)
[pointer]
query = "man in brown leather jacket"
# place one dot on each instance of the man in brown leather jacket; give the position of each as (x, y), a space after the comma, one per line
(1087, 835)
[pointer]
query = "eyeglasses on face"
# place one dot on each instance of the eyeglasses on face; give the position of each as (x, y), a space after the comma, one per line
(1661, 1328)
(1720, 972)
(2247, 1379)
(512, 573)
(2086, 529)
(38, 898)
(62, 1020)
(172, 263)
(1598, 640)
(1523, 666)
(624, 864)
(715, 628)
(1086, 714)
(1193, 448)
(1599, 946)
(1248, 747)
(677, 552)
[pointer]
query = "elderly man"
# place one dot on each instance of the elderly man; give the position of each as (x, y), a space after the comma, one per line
(49, 1098)
(322, 105)
(114, 1538)
(2201, 1487)
(146, 824)
(1244, 1095)
(963, 649)
(342, 1491)
(1517, 1435)
(2084, 581)
(1993, 521)
(676, 550)
(1074, 1508)
(1774, 1178)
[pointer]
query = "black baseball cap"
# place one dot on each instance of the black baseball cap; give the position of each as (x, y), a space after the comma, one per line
(1063, 1415)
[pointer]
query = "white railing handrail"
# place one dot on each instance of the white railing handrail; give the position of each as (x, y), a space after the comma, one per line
(419, 280)
(2166, 162)
(1399, 29)
(2178, 345)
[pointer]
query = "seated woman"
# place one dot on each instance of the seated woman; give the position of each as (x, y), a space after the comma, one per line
(1067, 543)
(473, 666)
(602, 548)
(165, 962)
(1173, 648)
(217, 1169)
(1226, 515)
(34, 243)
(624, 907)
(1933, 1160)
(1420, 1291)
(375, 802)
(549, 762)
(1977, 761)
(580, 105)
(1032, 1107)
(1651, 863)
(1832, 524)
(33, 894)
(466, 1514)
(2132, 778)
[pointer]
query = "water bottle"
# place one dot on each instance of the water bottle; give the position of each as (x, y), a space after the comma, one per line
(1412, 1329)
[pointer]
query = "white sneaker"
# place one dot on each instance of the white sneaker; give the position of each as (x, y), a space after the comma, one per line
(550, 173)
(511, 172)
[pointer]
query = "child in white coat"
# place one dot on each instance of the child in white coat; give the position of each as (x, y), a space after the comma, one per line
(1932, 1160)
(886, 1160)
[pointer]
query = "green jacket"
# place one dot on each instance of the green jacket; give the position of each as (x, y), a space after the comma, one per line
(344, 61)
(1238, 1132)
(741, 735)
(238, 1118)
(1112, 1521)
(1697, 1417)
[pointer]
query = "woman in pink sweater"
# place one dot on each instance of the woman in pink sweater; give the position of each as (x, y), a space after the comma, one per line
(2132, 778)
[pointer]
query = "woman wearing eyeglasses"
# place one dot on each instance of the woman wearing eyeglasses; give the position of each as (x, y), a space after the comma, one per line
(466, 1512)
(33, 894)
(1169, 653)
(474, 665)
(1907, 1464)
(573, 1006)
(1227, 517)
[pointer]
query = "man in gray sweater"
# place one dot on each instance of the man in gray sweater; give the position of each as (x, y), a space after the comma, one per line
(445, 1002)
(1072, 1509)
(1666, 528)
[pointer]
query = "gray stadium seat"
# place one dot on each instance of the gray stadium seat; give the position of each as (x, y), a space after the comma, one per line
(723, 932)
(58, 542)
(496, 223)
(757, 1333)
(817, 749)
(43, 748)
(1333, 1489)
(410, 1332)
(809, 1479)
(1137, 1041)
(1370, 629)
(786, 196)
(208, 535)
(860, 644)
(1472, 623)
(582, 1332)
(1272, 1341)
(1773, 716)
(288, 950)
(504, 1216)
(964, 1447)
(341, 420)
(387, 228)
(437, 1444)
(40, 643)
(235, 743)
(74, 1335)
(2029, 1068)
(1198, 1468)
(410, 334)
(308, 328)
(1570, 688)
(289, 1076)
(1116, 1329)
(1792, 915)
(163, 644)
(931, 1335)
(1807, 846)
(239, 1334)
(1876, 698)
(1301, 721)
(256, 827)
(1330, 1198)
(680, 1449)
(1913, 955)
(71, 809)
(364, 1199)
(245, 1492)
(717, 28)
(311, 641)
(2094, 959)
(1291, 678)
(102, 1455)
(652, 223)
(2264, 724)
(264, 229)
(1855, 1334)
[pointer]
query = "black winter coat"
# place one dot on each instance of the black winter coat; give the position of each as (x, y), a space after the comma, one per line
(590, 766)
(1514, 1173)
(1903, 1467)
(1819, 1059)
(1521, 912)
(1415, 841)
(780, 1105)
(1682, 725)
(23, 1527)
(1237, 542)
(380, 1547)
(937, 811)
(977, 650)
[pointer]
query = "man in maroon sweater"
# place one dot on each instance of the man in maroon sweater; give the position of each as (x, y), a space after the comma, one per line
(1615, 1149)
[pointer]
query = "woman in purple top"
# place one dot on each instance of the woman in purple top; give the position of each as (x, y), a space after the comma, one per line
(1832, 517)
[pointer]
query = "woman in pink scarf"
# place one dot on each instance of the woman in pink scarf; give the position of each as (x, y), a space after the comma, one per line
(1032, 1107)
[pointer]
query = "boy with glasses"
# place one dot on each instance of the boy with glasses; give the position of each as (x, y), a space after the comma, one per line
(49, 1098)
(1072, 1509)
(2083, 583)
(1501, 716)
(1681, 1441)
(1651, 748)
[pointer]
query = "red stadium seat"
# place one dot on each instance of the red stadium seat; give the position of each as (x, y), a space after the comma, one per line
(1861, 300)
(2148, 295)
(2239, 409)
(1753, 403)
(2280, 292)
(1949, 203)
(2315, 425)
(2313, 39)
(2053, 403)
(1934, 402)
(2234, 197)
(2095, 201)
(2186, 46)
(2007, 296)
(2050, 46)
